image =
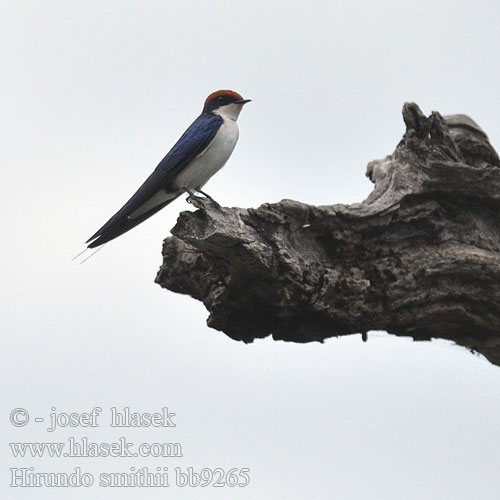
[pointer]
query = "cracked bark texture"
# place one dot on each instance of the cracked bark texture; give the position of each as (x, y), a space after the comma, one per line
(420, 257)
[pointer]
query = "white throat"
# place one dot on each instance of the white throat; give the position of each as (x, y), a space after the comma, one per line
(230, 111)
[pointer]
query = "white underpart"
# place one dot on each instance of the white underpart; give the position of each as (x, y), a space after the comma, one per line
(206, 164)
(155, 200)
(216, 154)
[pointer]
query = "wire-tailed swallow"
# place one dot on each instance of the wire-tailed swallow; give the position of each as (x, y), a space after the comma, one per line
(201, 151)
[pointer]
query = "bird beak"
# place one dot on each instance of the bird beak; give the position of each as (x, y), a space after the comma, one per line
(243, 101)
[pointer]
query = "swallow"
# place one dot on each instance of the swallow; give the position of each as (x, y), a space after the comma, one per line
(202, 150)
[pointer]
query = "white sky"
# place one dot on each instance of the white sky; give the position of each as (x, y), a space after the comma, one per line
(93, 94)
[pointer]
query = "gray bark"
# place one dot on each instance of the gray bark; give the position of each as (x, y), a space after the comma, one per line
(420, 257)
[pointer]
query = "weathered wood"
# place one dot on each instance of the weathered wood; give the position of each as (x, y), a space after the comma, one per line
(420, 257)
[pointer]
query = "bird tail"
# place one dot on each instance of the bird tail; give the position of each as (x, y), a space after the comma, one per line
(116, 226)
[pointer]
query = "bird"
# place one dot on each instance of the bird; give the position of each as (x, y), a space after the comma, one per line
(201, 151)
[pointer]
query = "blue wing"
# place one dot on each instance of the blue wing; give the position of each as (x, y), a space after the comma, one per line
(194, 140)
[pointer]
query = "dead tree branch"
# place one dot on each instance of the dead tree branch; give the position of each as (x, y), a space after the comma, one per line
(420, 257)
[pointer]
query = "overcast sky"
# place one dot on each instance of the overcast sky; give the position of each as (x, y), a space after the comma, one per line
(93, 94)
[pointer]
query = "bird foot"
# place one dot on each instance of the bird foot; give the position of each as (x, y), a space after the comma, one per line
(207, 196)
(200, 201)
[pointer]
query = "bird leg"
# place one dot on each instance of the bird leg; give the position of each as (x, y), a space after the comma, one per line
(198, 201)
(192, 196)
(209, 197)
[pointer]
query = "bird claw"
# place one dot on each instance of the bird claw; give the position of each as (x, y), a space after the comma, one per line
(200, 202)
(207, 196)
(196, 201)
(213, 202)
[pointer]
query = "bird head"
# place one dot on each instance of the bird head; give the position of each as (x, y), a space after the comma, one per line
(225, 103)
